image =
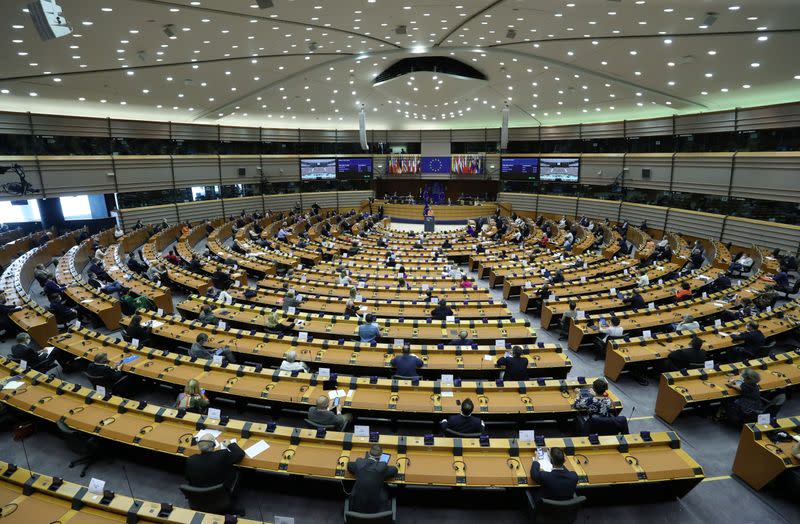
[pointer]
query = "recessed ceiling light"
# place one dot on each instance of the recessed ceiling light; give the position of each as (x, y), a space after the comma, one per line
(709, 75)
(746, 86)
(733, 8)
(763, 38)
(32, 93)
(87, 22)
(634, 53)
(106, 9)
(755, 64)
(668, 41)
(712, 52)
(17, 27)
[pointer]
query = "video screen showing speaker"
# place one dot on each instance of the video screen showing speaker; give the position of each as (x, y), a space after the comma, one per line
(518, 168)
(354, 168)
(403, 164)
(317, 169)
(565, 170)
(467, 164)
(436, 164)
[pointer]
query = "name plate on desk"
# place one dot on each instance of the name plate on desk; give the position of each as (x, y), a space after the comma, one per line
(527, 435)
(361, 431)
(214, 413)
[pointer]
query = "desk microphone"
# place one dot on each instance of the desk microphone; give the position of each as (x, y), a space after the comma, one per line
(632, 412)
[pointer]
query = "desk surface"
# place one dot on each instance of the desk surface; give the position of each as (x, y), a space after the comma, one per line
(448, 462)
(759, 460)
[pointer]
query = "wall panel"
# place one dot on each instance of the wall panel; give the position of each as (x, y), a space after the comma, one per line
(561, 132)
(659, 164)
(603, 130)
(28, 164)
(650, 127)
(400, 136)
(148, 215)
(601, 169)
(143, 173)
(692, 223)
(281, 202)
(598, 209)
(325, 199)
(743, 232)
(352, 199)
(234, 206)
(140, 129)
(716, 122)
(230, 165)
(197, 211)
(519, 201)
(194, 132)
(708, 173)
(637, 213)
(238, 134)
(196, 170)
(770, 117)
(14, 124)
(281, 169)
(769, 176)
(470, 135)
(555, 205)
(77, 175)
(69, 126)
(318, 135)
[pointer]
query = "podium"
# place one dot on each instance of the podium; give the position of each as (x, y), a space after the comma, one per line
(430, 224)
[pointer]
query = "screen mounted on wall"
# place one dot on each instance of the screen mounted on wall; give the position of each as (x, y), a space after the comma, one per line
(519, 168)
(354, 168)
(559, 169)
(317, 169)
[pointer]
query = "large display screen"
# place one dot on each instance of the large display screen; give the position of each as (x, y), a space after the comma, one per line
(317, 169)
(467, 164)
(403, 164)
(518, 168)
(559, 170)
(436, 164)
(354, 168)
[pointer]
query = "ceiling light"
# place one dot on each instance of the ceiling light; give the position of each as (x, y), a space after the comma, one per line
(763, 38)
(668, 41)
(712, 52)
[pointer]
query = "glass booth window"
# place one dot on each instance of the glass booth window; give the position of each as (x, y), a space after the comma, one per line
(76, 207)
(19, 211)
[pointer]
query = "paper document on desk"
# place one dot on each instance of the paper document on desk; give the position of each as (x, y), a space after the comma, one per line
(48, 350)
(86, 301)
(154, 324)
(256, 449)
(545, 463)
(13, 384)
(213, 432)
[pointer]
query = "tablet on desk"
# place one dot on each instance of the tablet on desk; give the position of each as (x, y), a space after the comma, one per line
(384, 457)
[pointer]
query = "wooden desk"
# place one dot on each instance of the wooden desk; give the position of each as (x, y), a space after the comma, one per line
(332, 326)
(594, 302)
(546, 359)
(425, 399)
(514, 283)
(759, 460)
(615, 462)
(453, 213)
(116, 269)
(664, 315)
(419, 308)
(552, 261)
(105, 307)
(28, 497)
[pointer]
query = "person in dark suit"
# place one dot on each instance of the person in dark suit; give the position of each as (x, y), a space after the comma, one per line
(210, 467)
(752, 341)
(406, 365)
(111, 377)
(516, 366)
(369, 493)
(138, 331)
(464, 422)
(681, 358)
(441, 311)
(558, 484)
(38, 360)
(635, 301)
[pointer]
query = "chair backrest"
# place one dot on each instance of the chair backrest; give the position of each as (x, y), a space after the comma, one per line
(76, 441)
(97, 380)
(461, 435)
(607, 425)
(559, 511)
(211, 499)
(314, 425)
(355, 516)
(774, 406)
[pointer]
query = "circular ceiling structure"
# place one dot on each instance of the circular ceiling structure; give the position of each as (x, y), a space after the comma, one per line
(313, 63)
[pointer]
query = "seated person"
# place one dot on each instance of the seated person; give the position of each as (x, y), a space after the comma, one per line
(290, 300)
(635, 300)
(746, 309)
(721, 283)
(742, 264)
(766, 298)
(225, 297)
(748, 405)
(63, 313)
(369, 493)
(193, 398)
(781, 279)
(353, 249)
(274, 324)
(207, 316)
(643, 279)
(465, 283)
(369, 330)
(558, 277)
(441, 311)
(464, 422)
(687, 324)
(463, 339)
(558, 484)
(682, 358)
(135, 330)
(112, 377)
(515, 365)
(752, 341)
(199, 351)
(684, 293)
(325, 413)
(214, 466)
(37, 360)
(614, 330)
(51, 287)
(290, 363)
(406, 365)
(595, 401)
